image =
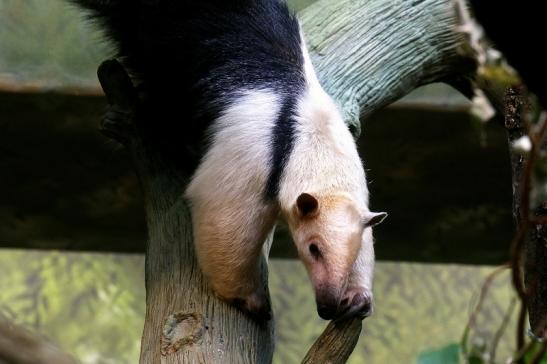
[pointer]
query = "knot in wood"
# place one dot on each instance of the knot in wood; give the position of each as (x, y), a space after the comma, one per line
(180, 330)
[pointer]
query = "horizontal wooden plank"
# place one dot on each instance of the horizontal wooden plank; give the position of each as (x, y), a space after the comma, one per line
(444, 180)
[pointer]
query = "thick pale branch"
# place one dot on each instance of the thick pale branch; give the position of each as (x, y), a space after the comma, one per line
(369, 53)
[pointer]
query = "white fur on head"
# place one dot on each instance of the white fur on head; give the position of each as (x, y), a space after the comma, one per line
(325, 163)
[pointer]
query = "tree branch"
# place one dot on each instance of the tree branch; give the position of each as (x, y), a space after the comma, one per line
(336, 343)
(20, 346)
(369, 53)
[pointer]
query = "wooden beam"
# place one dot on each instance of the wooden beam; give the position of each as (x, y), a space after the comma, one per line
(444, 179)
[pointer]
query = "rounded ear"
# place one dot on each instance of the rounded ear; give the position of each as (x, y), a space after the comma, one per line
(374, 218)
(307, 205)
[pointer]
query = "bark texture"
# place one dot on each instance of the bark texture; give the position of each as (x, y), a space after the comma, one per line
(529, 184)
(184, 322)
(536, 273)
(335, 344)
(369, 53)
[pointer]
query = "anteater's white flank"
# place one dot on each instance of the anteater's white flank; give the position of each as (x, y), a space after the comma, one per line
(230, 217)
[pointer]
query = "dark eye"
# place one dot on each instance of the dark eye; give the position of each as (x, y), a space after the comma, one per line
(314, 251)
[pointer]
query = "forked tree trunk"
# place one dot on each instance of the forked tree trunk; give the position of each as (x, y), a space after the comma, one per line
(367, 53)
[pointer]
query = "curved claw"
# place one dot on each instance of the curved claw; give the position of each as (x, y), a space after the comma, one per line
(256, 306)
(361, 306)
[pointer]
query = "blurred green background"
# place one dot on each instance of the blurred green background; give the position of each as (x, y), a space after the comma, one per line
(93, 306)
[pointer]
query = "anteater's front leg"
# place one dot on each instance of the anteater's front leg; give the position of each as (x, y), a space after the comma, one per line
(228, 239)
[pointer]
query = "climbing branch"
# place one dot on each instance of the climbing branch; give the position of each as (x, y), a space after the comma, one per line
(369, 53)
(335, 344)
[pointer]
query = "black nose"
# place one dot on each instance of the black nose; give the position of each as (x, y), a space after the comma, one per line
(326, 312)
(327, 299)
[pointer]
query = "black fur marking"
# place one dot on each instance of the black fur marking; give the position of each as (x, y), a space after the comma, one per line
(190, 59)
(283, 136)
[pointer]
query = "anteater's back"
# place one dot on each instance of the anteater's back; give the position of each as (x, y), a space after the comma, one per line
(192, 55)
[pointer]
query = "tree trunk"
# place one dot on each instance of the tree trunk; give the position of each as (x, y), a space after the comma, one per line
(367, 54)
(529, 200)
(184, 322)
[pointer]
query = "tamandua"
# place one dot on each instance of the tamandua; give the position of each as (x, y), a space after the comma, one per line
(238, 77)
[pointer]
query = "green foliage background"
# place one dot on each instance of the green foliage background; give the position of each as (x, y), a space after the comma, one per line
(418, 307)
(92, 305)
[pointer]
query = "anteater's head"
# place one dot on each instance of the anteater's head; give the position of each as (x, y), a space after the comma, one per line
(328, 233)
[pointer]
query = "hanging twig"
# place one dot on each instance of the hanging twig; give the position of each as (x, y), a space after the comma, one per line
(501, 330)
(482, 296)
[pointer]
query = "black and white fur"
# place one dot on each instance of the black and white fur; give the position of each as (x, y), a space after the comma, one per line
(235, 76)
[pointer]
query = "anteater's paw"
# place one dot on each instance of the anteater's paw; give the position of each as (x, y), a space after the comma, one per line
(356, 302)
(256, 305)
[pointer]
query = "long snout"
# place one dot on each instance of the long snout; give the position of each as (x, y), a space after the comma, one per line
(331, 305)
(329, 287)
(327, 298)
